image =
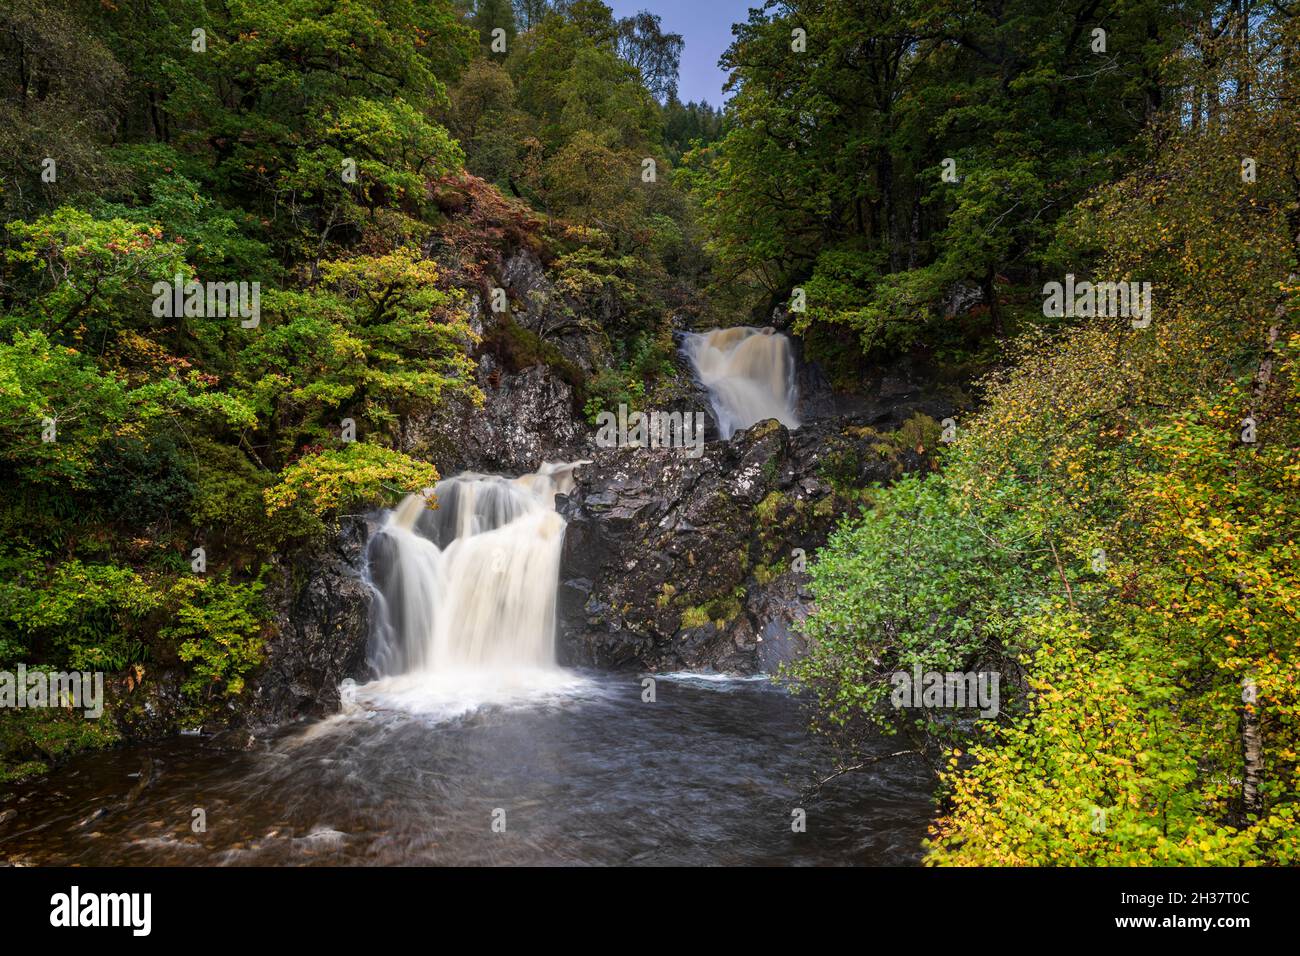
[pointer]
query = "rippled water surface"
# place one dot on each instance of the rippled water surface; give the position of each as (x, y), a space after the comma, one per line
(585, 772)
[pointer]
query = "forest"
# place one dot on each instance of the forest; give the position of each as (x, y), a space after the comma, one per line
(1109, 517)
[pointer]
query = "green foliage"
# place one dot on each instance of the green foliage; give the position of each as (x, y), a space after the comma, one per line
(1143, 536)
(80, 277)
(288, 91)
(571, 115)
(44, 387)
(217, 626)
(609, 389)
(830, 175)
(62, 84)
(31, 738)
(520, 348)
(632, 383)
(376, 339)
(490, 127)
(66, 419)
(129, 436)
(622, 289)
(126, 436)
(76, 613)
(918, 580)
(229, 502)
(1106, 770)
(217, 241)
(887, 311)
(356, 474)
(490, 15)
(142, 480)
(694, 617)
(690, 126)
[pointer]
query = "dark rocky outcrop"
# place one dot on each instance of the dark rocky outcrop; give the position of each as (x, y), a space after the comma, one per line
(529, 367)
(527, 417)
(672, 562)
(885, 395)
(885, 391)
(321, 605)
(575, 330)
(320, 629)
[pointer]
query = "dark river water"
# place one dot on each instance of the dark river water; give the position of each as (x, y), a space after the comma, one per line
(583, 772)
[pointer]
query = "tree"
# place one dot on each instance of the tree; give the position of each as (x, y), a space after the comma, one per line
(1140, 483)
(60, 92)
(320, 114)
(490, 16)
(529, 13)
(655, 54)
(914, 147)
(488, 125)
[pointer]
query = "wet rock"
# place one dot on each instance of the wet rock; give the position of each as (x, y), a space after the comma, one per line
(322, 616)
(774, 612)
(672, 562)
(576, 329)
(960, 298)
(527, 418)
(152, 708)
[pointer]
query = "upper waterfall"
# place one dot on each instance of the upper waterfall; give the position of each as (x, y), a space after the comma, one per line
(749, 374)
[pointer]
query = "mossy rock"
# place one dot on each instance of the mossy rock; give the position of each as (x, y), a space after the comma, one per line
(520, 348)
(766, 510)
(694, 617)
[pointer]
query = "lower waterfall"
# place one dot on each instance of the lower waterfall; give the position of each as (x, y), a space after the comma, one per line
(465, 576)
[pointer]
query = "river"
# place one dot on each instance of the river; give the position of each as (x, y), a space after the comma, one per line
(582, 772)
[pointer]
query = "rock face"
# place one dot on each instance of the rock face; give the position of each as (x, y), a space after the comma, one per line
(576, 330)
(675, 563)
(526, 369)
(321, 606)
(527, 418)
(321, 601)
(670, 562)
(885, 392)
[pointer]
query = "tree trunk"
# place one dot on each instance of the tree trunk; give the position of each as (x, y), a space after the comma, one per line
(885, 179)
(1251, 745)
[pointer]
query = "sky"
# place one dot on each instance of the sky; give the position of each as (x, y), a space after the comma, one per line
(705, 25)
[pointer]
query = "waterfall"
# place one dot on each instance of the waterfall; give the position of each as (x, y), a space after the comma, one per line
(749, 375)
(465, 576)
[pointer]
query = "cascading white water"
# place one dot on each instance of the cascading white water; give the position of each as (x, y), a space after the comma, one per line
(749, 374)
(467, 588)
